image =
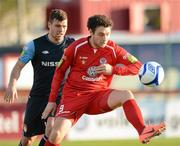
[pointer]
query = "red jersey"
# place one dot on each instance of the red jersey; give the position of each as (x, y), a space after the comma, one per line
(83, 59)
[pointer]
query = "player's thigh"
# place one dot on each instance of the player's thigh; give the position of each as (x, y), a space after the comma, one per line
(60, 129)
(99, 104)
(117, 97)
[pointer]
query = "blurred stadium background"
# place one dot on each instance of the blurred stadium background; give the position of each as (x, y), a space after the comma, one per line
(149, 29)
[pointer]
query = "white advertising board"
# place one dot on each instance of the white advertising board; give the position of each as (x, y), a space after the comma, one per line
(173, 118)
(26, 78)
(112, 125)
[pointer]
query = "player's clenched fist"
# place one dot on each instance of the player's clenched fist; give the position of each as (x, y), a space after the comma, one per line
(105, 69)
(50, 109)
(10, 95)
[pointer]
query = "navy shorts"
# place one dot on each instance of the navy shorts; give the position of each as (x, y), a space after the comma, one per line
(33, 123)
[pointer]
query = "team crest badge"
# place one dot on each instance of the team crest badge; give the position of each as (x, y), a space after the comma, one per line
(25, 128)
(103, 60)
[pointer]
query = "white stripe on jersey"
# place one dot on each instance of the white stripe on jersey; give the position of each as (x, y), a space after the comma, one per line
(112, 50)
(79, 45)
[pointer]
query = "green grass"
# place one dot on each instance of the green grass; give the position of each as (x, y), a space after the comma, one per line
(154, 142)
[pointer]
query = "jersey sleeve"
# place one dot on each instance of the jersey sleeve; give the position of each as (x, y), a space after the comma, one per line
(127, 63)
(27, 53)
(63, 65)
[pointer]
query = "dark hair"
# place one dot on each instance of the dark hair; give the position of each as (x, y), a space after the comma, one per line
(57, 14)
(98, 20)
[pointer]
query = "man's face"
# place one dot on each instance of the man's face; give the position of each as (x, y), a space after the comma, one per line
(57, 30)
(101, 36)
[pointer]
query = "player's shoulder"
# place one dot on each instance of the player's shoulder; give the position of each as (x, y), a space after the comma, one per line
(69, 39)
(76, 44)
(114, 45)
(81, 41)
(40, 38)
(111, 43)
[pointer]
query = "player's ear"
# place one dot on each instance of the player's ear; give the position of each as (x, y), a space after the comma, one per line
(49, 24)
(90, 31)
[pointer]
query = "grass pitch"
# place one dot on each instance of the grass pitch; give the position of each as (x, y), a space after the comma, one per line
(154, 142)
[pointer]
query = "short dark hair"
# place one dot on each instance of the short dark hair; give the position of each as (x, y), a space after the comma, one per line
(57, 14)
(98, 20)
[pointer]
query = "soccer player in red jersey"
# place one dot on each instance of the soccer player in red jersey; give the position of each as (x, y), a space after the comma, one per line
(93, 62)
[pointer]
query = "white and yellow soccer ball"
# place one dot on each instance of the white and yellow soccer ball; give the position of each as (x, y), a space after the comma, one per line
(151, 74)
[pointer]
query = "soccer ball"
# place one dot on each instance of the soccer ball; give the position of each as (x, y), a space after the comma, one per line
(151, 74)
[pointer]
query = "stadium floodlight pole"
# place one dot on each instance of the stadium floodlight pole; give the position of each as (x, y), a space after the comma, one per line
(21, 25)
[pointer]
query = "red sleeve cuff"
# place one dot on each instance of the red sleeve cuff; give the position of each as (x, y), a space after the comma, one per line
(52, 98)
(116, 70)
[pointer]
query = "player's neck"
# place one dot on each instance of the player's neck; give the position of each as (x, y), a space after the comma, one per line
(92, 44)
(51, 39)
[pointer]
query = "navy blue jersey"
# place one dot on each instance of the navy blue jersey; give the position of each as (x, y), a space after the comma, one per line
(44, 56)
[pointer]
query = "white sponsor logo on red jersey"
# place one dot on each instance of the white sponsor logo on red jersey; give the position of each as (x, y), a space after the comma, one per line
(91, 79)
(92, 71)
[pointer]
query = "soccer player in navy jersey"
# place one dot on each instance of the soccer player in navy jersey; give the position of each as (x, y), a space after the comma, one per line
(93, 61)
(44, 53)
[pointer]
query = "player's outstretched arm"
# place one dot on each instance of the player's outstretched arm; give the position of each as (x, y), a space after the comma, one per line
(57, 80)
(64, 64)
(11, 91)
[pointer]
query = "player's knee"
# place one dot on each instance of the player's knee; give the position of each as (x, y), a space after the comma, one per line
(125, 96)
(26, 141)
(55, 137)
(128, 94)
(118, 97)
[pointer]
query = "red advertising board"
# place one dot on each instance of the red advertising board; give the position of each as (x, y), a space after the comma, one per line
(11, 120)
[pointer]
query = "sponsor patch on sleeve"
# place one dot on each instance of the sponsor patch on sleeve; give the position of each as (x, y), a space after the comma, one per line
(62, 60)
(25, 48)
(132, 59)
(22, 53)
